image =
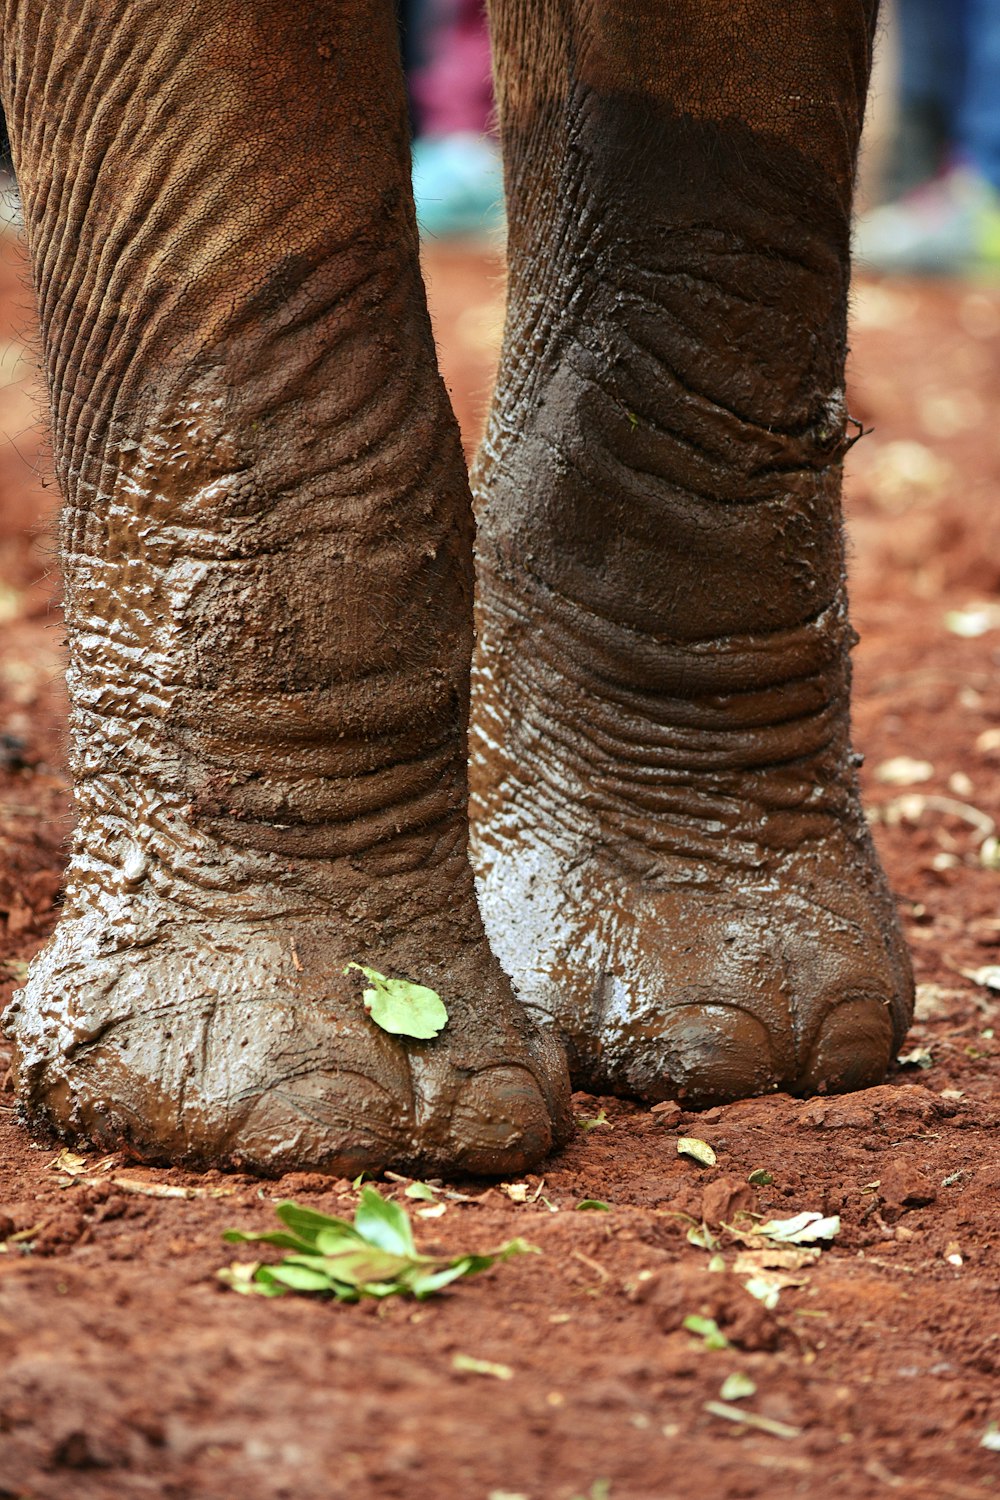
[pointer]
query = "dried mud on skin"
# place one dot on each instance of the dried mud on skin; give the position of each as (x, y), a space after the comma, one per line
(125, 1369)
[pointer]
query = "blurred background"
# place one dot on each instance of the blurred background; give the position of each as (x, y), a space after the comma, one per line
(922, 488)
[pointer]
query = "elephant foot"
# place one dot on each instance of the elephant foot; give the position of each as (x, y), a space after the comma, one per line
(235, 1037)
(679, 877)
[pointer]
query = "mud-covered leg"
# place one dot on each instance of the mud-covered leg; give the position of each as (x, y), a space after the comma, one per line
(673, 861)
(267, 557)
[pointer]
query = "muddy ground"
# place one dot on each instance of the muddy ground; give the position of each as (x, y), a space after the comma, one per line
(126, 1369)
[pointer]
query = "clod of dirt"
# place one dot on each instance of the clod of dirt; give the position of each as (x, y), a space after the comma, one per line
(726, 1197)
(902, 1186)
(883, 1106)
(680, 1291)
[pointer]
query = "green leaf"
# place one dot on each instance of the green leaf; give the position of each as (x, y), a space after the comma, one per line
(401, 1007)
(707, 1329)
(373, 1257)
(598, 1205)
(699, 1151)
(421, 1190)
(309, 1223)
(760, 1178)
(384, 1223)
(432, 1281)
(301, 1278)
(277, 1237)
(591, 1122)
(737, 1387)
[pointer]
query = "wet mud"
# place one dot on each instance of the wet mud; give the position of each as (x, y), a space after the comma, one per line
(127, 1370)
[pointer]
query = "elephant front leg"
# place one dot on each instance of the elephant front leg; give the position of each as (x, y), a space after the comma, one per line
(674, 864)
(267, 561)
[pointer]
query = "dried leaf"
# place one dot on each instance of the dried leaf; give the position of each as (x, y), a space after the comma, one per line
(918, 1057)
(467, 1365)
(800, 1229)
(988, 976)
(975, 620)
(69, 1162)
(903, 770)
(775, 1258)
(699, 1151)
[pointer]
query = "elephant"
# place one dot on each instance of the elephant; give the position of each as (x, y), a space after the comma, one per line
(267, 545)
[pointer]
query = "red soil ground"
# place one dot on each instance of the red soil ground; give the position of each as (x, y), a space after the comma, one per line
(126, 1369)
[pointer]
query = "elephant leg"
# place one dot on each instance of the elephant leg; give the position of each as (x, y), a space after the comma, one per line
(674, 865)
(267, 551)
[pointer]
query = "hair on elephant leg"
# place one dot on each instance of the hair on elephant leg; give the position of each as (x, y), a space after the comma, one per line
(267, 557)
(673, 861)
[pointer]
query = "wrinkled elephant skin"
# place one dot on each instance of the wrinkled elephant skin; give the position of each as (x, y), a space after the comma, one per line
(267, 553)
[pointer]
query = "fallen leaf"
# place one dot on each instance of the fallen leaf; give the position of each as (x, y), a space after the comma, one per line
(775, 1258)
(420, 1190)
(737, 1387)
(903, 770)
(598, 1205)
(707, 1329)
(374, 1256)
(699, 1151)
(800, 1229)
(760, 1178)
(988, 976)
(919, 1057)
(69, 1162)
(973, 621)
(466, 1364)
(401, 1007)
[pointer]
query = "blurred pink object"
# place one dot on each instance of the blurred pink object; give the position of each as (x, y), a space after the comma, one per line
(453, 88)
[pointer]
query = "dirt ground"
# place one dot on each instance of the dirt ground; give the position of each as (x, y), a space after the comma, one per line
(126, 1369)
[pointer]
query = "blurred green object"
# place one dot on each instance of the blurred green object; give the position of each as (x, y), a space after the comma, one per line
(458, 185)
(947, 227)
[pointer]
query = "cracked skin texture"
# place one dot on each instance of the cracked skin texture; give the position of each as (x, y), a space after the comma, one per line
(267, 559)
(267, 555)
(673, 861)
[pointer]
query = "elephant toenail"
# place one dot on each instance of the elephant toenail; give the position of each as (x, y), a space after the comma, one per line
(705, 1054)
(852, 1049)
(500, 1122)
